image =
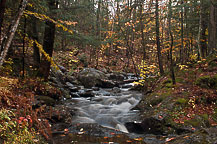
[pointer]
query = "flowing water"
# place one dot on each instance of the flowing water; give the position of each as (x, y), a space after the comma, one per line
(101, 119)
(107, 109)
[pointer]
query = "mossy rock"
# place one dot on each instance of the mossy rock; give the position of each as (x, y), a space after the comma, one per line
(167, 81)
(181, 101)
(202, 136)
(205, 117)
(46, 100)
(214, 116)
(193, 122)
(156, 101)
(169, 85)
(199, 121)
(212, 64)
(207, 82)
(179, 80)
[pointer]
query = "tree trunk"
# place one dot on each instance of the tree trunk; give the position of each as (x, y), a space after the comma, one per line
(2, 11)
(171, 45)
(158, 40)
(212, 28)
(8, 39)
(141, 29)
(48, 45)
(98, 31)
(202, 30)
(36, 52)
(182, 33)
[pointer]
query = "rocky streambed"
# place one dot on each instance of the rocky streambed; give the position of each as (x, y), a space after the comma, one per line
(101, 107)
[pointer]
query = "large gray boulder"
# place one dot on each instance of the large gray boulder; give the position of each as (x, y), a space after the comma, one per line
(90, 77)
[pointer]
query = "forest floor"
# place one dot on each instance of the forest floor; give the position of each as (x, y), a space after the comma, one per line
(191, 103)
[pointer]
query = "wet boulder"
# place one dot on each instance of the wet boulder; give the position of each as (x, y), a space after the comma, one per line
(202, 136)
(86, 93)
(71, 79)
(58, 75)
(70, 85)
(116, 76)
(106, 84)
(116, 90)
(150, 125)
(90, 77)
(74, 89)
(62, 68)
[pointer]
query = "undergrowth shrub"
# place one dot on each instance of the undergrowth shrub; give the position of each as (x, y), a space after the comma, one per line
(13, 96)
(13, 131)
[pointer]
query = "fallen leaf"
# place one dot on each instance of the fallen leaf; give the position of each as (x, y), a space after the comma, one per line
(169, 139)
(138, 139)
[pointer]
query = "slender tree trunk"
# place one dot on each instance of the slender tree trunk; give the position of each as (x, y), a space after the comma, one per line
(7, 42)
(141, 29)
(182, 33)
(2, 11)
(171, 45)
(212, 28)
(24, 42)
(202, 30)
(36, 53)
(158, 40)
(98, 32)
(188, 45)
(48, 45)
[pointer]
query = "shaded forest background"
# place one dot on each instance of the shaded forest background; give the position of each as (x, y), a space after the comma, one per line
(114, 35)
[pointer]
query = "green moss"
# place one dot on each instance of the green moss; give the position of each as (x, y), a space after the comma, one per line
(181, 101)
(167, 81)
(205, 117)
(207, 82)
(214, 116)
(193, 122)
(212, 64)
(179, 80)
(199, 121)
(156, 101)
(169, 85)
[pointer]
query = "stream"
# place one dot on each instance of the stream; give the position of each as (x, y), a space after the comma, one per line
(103, 116)
(108, 109)
(100, 116)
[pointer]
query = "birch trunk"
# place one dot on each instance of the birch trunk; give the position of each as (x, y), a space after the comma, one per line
(9, 37)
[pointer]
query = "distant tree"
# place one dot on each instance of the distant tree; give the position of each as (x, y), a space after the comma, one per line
(158, 38)
(182, 33)
(202, 38)
(171, 44)
(212, 27)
